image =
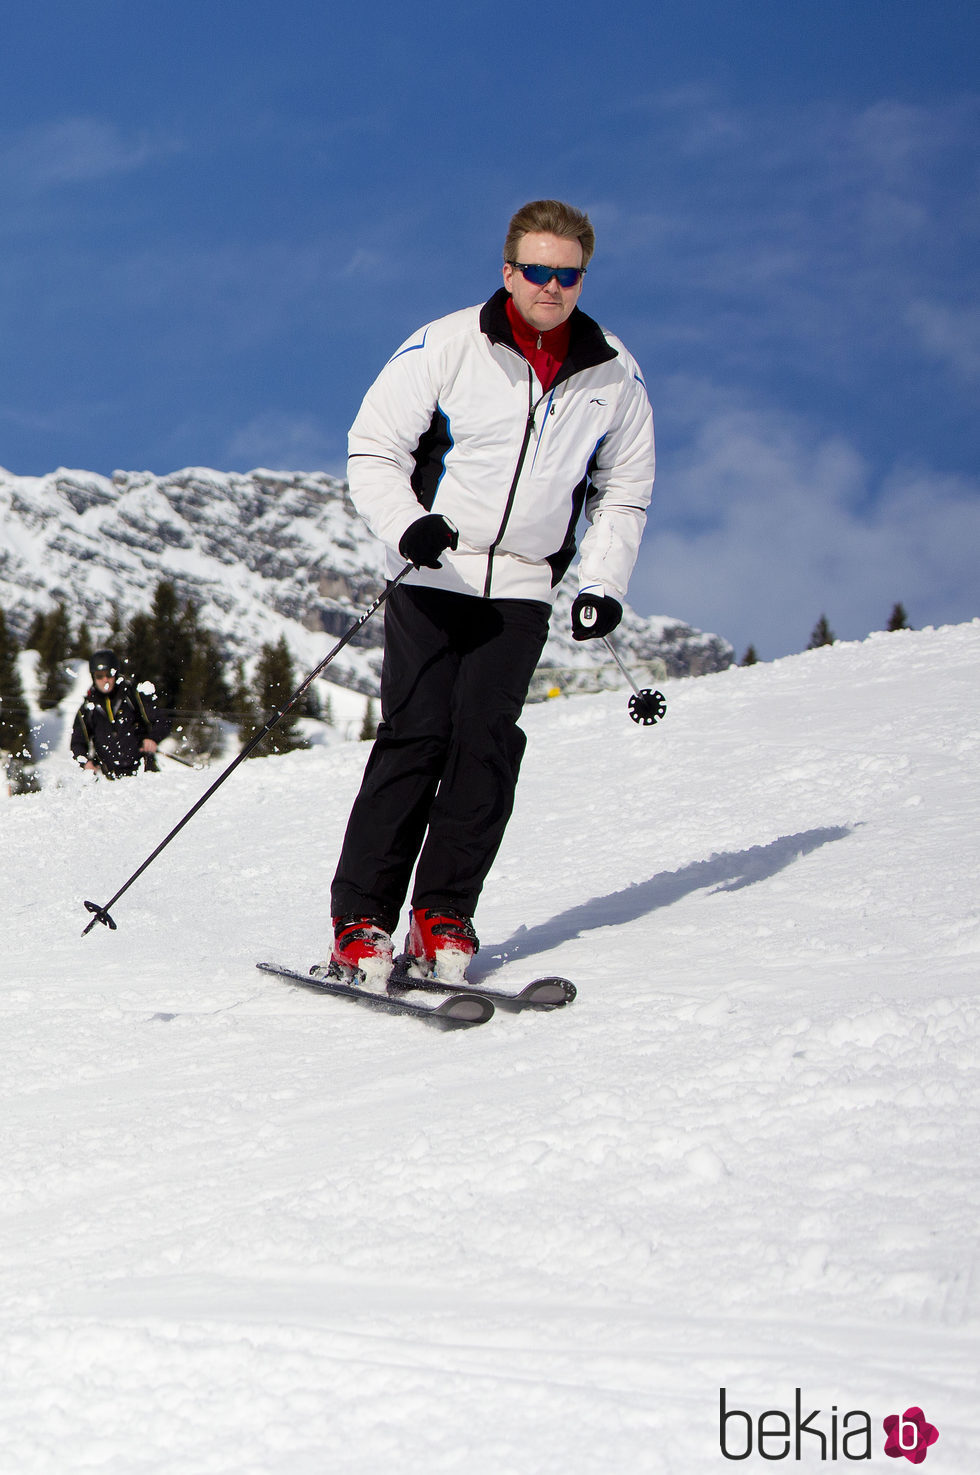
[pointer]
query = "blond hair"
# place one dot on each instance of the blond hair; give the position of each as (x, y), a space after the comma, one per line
(552, 218)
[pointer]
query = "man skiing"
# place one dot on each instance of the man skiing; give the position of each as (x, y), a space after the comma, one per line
(118, 726)
(472, 457)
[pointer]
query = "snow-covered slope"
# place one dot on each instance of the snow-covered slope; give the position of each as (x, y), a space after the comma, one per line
(244, 1229)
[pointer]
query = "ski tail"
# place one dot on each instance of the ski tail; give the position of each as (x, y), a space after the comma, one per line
(456, 1009)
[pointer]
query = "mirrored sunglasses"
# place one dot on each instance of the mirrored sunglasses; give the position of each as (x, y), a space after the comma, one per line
(540, 276)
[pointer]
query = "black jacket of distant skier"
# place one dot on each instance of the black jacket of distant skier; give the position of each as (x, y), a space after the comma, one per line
(109, 728)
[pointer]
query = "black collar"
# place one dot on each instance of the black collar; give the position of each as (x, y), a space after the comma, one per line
(587, 345)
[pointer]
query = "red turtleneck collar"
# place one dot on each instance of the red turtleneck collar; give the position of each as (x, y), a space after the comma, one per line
(545, 352)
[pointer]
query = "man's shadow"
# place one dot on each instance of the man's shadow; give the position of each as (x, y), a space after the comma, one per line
(728, 872)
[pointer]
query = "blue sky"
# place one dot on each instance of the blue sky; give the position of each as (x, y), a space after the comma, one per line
(217, 220)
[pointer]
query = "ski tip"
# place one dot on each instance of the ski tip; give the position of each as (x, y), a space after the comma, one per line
(549, 993)
(465, 1009)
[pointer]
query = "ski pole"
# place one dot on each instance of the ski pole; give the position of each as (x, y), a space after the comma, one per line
(645, 706)
(101, 913)
(174, 759)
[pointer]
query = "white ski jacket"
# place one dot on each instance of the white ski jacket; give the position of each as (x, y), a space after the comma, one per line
(457, 423)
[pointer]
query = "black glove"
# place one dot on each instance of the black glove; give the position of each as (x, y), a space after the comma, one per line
(594, 615)
(423, 541)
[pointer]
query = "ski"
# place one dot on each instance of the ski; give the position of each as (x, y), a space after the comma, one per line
(458, 1008)
(541, 993)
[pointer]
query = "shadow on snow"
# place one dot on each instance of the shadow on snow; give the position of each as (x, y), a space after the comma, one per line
(728, 872)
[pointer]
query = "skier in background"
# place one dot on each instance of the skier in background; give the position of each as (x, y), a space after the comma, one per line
(118, 726)
(472, 456)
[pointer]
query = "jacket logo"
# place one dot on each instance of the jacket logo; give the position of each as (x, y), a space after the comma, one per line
(598, 402)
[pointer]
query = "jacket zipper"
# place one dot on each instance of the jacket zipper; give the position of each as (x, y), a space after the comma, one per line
(508, 506)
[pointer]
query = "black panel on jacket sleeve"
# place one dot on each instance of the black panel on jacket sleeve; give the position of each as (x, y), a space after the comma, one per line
(430, 459)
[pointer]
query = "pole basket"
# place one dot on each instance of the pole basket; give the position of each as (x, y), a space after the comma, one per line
(647, 706)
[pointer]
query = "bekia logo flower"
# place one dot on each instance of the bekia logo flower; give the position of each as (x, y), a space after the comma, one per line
(910, 1435)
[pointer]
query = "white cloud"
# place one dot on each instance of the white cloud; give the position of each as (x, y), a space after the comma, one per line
(73, 151)
(820, 258)
(281, 441)
(949, 334)
(804, 233)
(760, 525)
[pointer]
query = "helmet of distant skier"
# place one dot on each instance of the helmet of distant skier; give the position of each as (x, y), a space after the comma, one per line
(102, 661)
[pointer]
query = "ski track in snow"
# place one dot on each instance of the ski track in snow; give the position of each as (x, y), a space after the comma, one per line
(244, 1229)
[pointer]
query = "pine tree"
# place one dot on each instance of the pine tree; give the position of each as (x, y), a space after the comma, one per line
(16, 748)
(822, 634)
(35, 630)
(54, 646)
(196, 725)
(275, 682)
(369, 727)
(203, 695)
(153, 646)
(169, 647)
(81, 646)
(116, 636)
(158, 644)
(216, 692)
(247, 719)
(898, 620)
(175, 629)
(310, 704)
(750, 658)
(138, 648)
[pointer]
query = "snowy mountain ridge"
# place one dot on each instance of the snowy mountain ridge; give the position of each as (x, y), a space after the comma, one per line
(263, 554)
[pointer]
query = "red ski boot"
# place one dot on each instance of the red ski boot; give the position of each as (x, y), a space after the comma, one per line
(441, 942)
(362, 951)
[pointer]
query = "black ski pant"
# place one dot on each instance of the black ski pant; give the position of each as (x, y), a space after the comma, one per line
(439, 784)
